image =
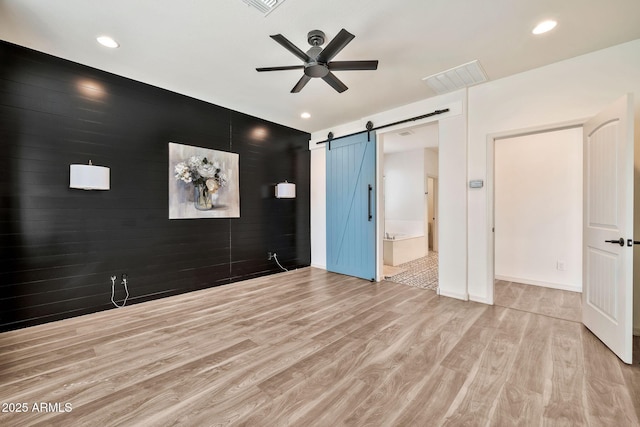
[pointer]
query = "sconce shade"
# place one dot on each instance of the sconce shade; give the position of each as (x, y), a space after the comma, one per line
(285, 190)
(89, 177)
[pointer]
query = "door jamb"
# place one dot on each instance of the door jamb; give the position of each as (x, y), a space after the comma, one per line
(435, 209)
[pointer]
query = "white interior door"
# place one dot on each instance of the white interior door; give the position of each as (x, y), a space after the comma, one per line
(607, 298)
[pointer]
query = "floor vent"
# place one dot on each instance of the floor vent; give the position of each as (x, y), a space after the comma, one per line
(465, 75)
(264, 6)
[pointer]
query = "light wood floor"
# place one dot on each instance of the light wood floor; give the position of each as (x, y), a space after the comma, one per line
(311, 348)
(565, 305)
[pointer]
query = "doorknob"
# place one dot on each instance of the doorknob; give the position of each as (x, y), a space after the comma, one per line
(620, 241)
(631, 242)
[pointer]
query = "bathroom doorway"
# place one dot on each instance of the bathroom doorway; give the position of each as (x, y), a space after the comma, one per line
(409, 204)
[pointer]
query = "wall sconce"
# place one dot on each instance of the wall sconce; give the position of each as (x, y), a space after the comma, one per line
(286, 190)
(89, 177)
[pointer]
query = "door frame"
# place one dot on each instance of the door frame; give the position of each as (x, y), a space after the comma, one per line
(380, 207)
(490, 184)
(434, 234)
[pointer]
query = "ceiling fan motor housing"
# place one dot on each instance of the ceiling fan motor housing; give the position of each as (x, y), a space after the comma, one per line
(314, 68)
(315, 37)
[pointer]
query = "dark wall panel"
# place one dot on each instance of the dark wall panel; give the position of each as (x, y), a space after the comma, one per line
(59, 246)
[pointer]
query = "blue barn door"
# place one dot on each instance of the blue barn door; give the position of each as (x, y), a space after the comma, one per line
(351, 205)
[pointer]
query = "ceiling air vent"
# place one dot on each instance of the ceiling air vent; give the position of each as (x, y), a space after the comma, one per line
(264, 6)
(405, 132)
(465, 75)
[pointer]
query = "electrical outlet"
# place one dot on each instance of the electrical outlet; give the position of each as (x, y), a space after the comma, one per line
(561, 266)
(269, 256)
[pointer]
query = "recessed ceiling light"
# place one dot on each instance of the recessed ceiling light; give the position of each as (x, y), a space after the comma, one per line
(107, 41)
(305, 115)
(544, 26)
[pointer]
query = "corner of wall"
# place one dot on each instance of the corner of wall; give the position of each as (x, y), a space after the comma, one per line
(318, 209)
(480, 299)
(456, 295)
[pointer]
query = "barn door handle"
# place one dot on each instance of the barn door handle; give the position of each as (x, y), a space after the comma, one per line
(631, 242)
(370, 216)
(620, 241)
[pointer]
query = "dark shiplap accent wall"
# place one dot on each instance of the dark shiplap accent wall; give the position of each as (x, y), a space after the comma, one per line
(59, 246)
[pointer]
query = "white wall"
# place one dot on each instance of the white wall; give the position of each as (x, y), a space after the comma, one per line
(566, 91)
(404, 186)
(538, 209)
(318, 209)
(431, 162)
(569, 90)
(452, 131)
(452, 208)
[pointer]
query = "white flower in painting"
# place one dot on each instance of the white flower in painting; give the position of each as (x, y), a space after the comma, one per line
(194, 162)
(197, 170)
(207, 170)
(212, 185)
(222, 179)
(183, 173)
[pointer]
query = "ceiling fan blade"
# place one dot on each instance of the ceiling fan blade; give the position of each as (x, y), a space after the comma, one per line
(352, 65)
(284, 42)
(286, 67)
(335, 46)
(301, 83)
(334, 82)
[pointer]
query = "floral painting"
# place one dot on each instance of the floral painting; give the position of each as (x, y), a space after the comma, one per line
(203, 183)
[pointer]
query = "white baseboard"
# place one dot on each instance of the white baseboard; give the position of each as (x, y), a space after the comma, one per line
(321, 267)
(538, 283)
(463, 297)
(483, 300)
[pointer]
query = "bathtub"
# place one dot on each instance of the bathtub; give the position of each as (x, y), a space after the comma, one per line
(399, 248)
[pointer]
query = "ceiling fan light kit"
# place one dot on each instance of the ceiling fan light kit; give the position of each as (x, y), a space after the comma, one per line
(318, 61)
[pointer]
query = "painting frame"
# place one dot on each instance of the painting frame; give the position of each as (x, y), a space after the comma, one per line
(203, 182)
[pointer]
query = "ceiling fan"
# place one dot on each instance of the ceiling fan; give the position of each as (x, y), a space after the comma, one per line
(318, 61)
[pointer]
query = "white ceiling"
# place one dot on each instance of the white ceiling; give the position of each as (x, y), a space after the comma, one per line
(411, 138)
(209, 49)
